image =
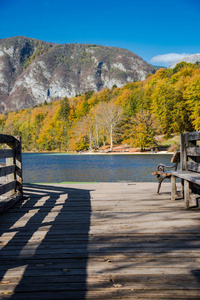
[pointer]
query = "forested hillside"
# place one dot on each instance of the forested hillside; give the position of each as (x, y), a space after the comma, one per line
(166, 102)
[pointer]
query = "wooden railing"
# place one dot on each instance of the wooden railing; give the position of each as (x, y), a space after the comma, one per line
(10, 167)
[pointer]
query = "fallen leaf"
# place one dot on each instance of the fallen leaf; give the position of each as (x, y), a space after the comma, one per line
(5, 281)
(117, 285)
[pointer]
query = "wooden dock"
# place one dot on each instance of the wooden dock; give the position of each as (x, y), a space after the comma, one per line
(99, 241)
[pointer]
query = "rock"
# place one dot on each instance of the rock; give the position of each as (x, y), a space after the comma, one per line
(189, 59)
(32, 71)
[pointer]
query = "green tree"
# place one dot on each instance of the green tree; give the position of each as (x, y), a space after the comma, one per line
(64, 110)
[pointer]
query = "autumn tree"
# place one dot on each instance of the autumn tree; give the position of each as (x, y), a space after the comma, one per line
(143, 130)
(110, 115)
(82, 134)
(192, 96)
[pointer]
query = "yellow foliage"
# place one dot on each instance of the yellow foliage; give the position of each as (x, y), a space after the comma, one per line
(170, 99)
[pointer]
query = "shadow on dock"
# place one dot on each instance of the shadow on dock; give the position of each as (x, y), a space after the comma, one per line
(141, 245)
(47, 249)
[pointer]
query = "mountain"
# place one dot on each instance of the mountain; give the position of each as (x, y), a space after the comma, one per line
(32, 71)
(189, 59)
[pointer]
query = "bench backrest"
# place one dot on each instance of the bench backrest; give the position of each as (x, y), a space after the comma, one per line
(190, 152)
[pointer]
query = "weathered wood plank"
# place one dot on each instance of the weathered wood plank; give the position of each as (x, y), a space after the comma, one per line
(193, 151)
(18, 154)
(103, 284)
(112, 293)
(173, 187)
(194, 136)
(5, 188)
(194, 167)
(6, 139)
(183, 155)
(188, 175)
(5, 153)
(7, 170)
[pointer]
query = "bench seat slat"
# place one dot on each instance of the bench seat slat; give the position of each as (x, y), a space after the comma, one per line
(187, 175)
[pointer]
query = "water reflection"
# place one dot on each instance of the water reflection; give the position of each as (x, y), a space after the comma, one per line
(43, 168)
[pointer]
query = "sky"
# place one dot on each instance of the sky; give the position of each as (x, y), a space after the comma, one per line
(159, 31)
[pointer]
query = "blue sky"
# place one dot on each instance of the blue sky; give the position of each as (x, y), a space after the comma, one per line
(157, 30)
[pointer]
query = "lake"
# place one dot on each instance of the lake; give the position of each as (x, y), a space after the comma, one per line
(55, 168)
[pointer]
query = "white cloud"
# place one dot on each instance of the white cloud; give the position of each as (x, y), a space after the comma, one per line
(167, 59)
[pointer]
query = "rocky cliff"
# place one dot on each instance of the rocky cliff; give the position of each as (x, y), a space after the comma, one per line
(33, 71)
(193, 58)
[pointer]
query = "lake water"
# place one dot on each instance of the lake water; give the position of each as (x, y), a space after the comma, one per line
(50, 168)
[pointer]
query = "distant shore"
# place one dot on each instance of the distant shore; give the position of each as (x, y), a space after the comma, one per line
(101, 153)
(122, 153)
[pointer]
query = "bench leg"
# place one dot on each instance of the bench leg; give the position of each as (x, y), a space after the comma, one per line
(160, 180)
(173, 187)
(186, 193)
(182, 188)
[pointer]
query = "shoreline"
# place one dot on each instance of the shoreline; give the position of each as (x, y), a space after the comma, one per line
(100, 153)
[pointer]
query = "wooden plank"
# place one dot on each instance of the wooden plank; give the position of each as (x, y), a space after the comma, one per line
(188, 175)
(173, 187)
(18, 154)
(186, 193)
(103, 283)
(6, 139)
(194, 167)
(5, 153)
(193, 151)
(7, 170)
(5, 188)
(183, 156)
(194, 136)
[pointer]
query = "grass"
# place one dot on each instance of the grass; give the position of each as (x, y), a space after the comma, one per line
(171, 143)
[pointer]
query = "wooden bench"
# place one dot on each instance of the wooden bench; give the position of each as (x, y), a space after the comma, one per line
(162, 173)
(189, 169)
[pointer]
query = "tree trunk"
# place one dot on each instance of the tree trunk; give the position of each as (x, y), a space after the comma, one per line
(111, 137)
(90, 137)
(97, 136)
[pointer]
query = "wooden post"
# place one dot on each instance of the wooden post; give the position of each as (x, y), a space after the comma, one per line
(183, 156)
(18, 162)
(173, 187)
(10, 161)
(186, 193)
